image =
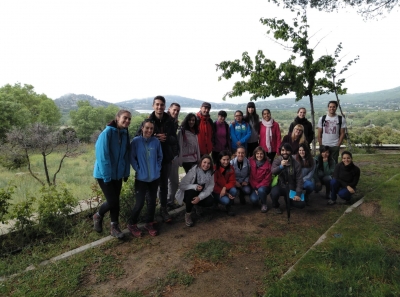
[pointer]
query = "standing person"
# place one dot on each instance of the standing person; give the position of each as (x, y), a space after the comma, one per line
(221, 138)
(301, 120)
(173, 180)
(331, 130)
(111, 167)
(205, 129)
(345, 179)
(165, 131)
(260, 178)
(296, 138)
(289, 171)
(270, 135)
(196, 187)
(253, 119)
(146, 158)
(189, 154)
(241, 165)
(240, 131)
(307, 163)
(224, 182)
(324, 168)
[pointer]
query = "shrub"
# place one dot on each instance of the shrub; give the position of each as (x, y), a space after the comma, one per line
(5, 196)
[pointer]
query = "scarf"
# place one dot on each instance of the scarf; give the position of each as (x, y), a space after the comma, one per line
(268, 137)
(260, 163)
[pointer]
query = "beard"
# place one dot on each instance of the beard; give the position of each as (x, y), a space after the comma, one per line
(285, 156)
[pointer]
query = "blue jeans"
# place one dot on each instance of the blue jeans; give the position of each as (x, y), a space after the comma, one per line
(336, 189)
(261, 196)
(246, 190)
(224, 200)
(309, 186)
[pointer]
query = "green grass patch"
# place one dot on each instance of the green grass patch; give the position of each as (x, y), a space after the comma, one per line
(214, 250)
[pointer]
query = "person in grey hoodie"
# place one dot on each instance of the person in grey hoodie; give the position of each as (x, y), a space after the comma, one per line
(242, 173)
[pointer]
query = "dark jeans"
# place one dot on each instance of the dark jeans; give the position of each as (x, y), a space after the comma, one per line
(190, 194)
(163, 183)
(111, 191)
(141, 188)
(325, 181)
(278, 191)
(336, 189)
(251, 146)
(188, 165)
(271, 157)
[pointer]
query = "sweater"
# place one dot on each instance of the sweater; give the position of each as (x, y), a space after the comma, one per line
(276, 138)
(243, 174)
(189, 147)
(347, 175)
(261, 176)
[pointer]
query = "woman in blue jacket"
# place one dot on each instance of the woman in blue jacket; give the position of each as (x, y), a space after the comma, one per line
(240, 131)
(146, 158)
(111, 167)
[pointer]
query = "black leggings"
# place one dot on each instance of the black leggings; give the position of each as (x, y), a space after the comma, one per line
(190, 194)
(111, 191)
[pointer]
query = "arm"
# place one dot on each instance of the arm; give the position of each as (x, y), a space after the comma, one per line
(320, 136)
(207, 189)
(342, 134)
(278, 138)
(133, 155)
(247, 135)
(159, 154)
(310, 173)
(187, 181)
(180, 142)
(233, 134)
(103, 156)
(231, 182)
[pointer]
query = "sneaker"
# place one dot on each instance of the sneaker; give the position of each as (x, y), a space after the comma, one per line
(264, 208)
(229, 211)
(135, 231)
(198, 210)
(115, 231)
(150, 228)
(98, 222)
(278, 210)
(331, 202)
(188, 219)
(165, 215)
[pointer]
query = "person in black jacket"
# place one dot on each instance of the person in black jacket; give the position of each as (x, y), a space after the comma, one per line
(345, 179)
(301, 119)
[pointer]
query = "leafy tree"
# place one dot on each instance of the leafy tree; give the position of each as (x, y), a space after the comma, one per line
(309, 77)
(21, 106)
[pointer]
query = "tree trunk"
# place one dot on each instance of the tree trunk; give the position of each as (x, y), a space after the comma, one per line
(312, 121)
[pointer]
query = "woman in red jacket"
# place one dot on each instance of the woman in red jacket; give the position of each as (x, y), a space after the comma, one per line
(270, 135)
(224, 182)
(260, 178)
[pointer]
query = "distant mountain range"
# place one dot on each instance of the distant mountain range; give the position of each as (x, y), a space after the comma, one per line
(386, 99)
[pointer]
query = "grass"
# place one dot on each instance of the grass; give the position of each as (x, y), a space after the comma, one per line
(214, 250)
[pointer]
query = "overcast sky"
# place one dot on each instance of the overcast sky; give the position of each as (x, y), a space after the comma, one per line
(121, 50)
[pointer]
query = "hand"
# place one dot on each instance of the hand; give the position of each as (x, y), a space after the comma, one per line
(231, 197)
(350, 189)
(284, 162)
(297, 198)
(223, 192)
(256, 191)
(244, 184)
(195, 200)
(161, 137)
(199, 188)
(126, 179)
(238, 185)
(238, 143)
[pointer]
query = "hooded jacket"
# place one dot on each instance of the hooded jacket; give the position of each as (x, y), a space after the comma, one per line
(112, 154)
(240, 132)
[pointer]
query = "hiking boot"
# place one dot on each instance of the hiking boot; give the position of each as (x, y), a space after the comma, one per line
(331, 202)
(188, 219)
(135, 231)
(278, 210)
(198, 211)
(97, 222)
(165, 215)
(150, 228)
(115, 231)
(264, 208)
(229, 211)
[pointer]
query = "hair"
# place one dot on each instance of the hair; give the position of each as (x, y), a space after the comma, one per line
(121, 112)
(222, 113)
(259, 149)
(175, 104)
(241, 147)
(323, 149)
(241, 112)
(308, 159)
(159, 98)
(346, 153)
(286, 146)
(185, 123)
(223, 154)
(254, 117)
(265, 109)
(147, 121)
(301, 109)
(302, 137)
(206, 156)
(333, 102)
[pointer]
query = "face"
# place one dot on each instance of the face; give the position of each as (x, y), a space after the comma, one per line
(297, 132)
(302, 152)
(158, 107)
(238, 117)
(225, 161)
(240, 154)
(191, 122)
(205, 164)
(205, 111)
(259, 155)
(148, 129)
(325, 155)
(266, 115)
(302, 113)
(124, 120)
(285, 154)
(346, 159)
(174, 111)
(221, 119)
(250, 110)
(332, 108)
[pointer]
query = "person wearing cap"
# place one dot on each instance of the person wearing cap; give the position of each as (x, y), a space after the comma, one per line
(205, 129)
(345, 179)
(221, 138)
(253, 119)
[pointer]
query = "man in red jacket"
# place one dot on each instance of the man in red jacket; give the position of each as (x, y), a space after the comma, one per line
(205, 129)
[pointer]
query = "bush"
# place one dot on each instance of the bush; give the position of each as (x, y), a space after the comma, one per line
(5, 195)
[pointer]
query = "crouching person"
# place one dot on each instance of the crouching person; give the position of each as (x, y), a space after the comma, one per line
(290, 175)
(196, 187)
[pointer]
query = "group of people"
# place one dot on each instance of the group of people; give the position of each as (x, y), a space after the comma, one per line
(262, 162)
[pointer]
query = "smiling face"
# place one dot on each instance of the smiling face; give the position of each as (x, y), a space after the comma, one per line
(325, 155)
(174, 111)
(297, 132)
(225, 161)
(302, 152)
(124, 120)
(250, 110)
(148, 129)
(158, 107)
(240, 153)
(346, 159)
(266, 115)
(285, 154)
(205, 164)
(221, 119)
(205, 110)
(302, 113)
(238, 117)
(259, 155)
(191, 122)
(332, 109)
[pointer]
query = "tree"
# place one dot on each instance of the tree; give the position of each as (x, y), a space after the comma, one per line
(367, 8)
(309, 77)
(21, 106)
